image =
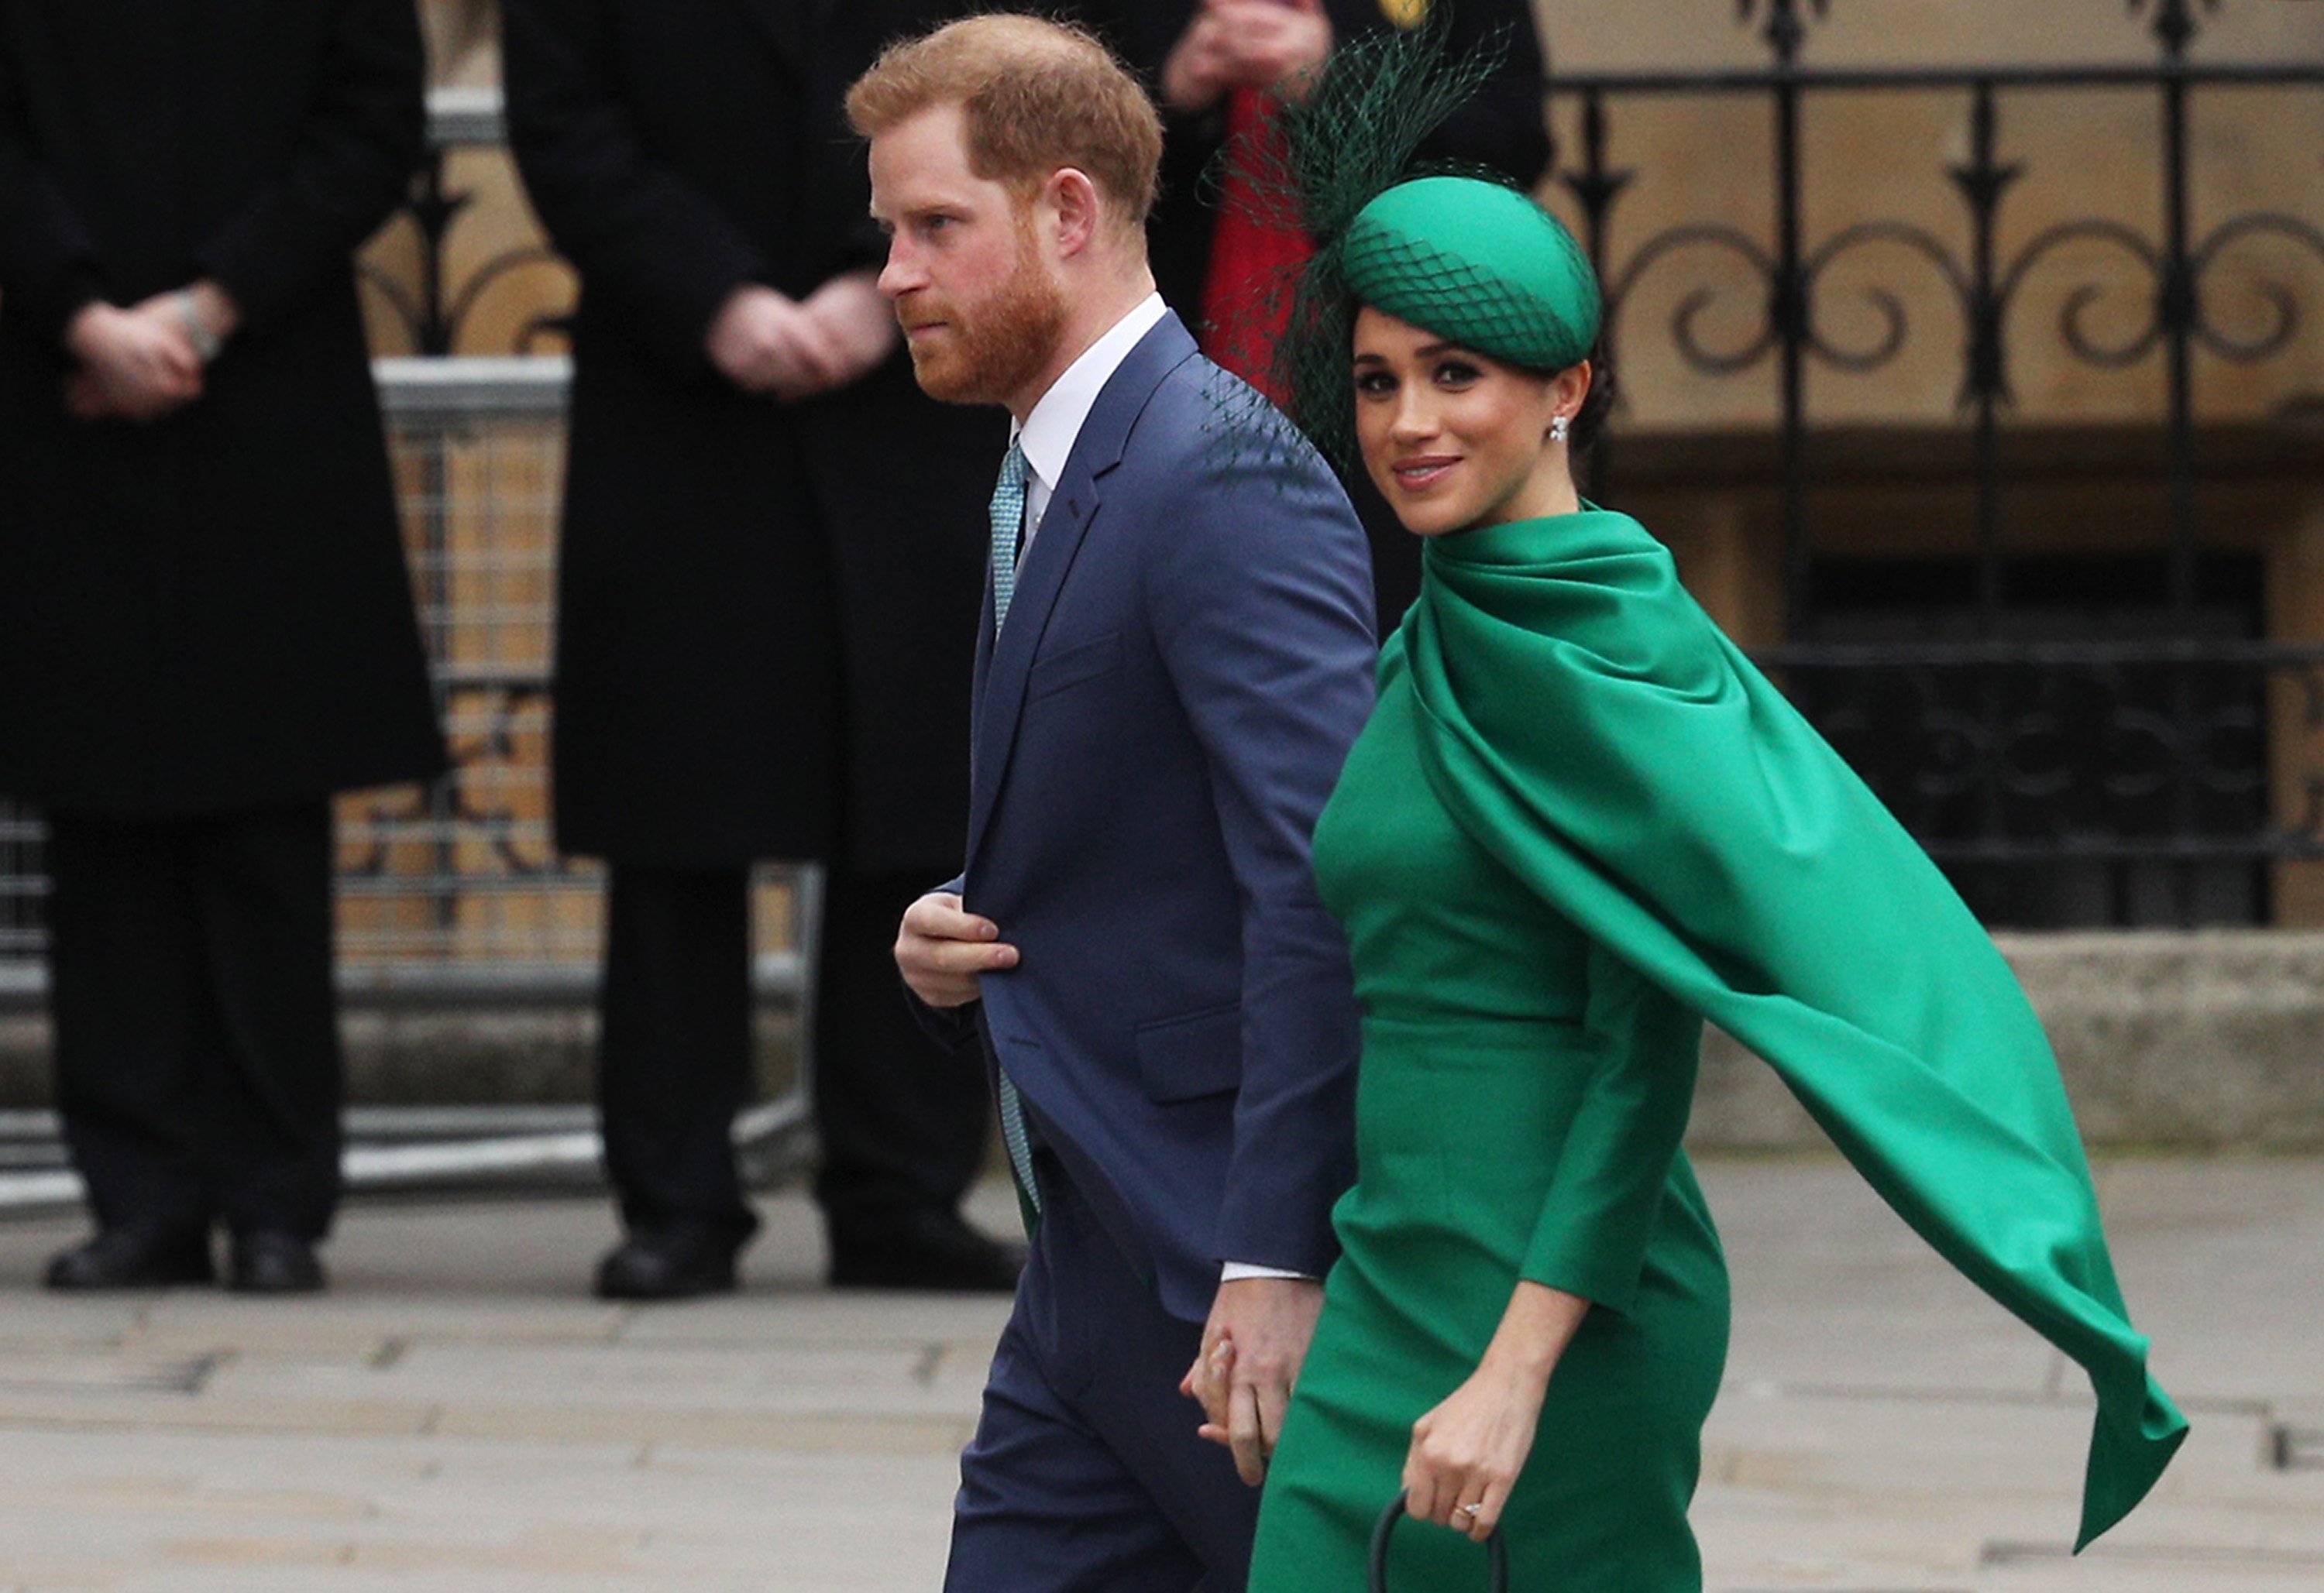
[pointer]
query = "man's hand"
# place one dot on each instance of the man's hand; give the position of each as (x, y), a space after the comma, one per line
(858, 319)
(940, 950)
(136, 364)
(208, 302)
(1252, 1348)
(764, 343)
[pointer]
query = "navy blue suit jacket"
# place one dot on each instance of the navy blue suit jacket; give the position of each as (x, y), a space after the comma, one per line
(1187, 657)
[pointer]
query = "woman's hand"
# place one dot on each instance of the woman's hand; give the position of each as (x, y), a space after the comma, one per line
(1467, 1452)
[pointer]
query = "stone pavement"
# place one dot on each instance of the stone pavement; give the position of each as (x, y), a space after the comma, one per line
(455, 1417)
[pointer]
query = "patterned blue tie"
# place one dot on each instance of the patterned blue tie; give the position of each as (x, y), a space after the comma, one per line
(1007, 528)
(1008, 524)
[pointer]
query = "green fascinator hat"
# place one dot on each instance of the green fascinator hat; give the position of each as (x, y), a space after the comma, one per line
(1478, 264)
(1456, 250)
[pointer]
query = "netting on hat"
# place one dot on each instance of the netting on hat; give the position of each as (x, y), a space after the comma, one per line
(1476, 261)
(1538, 308)
(1356, 133)
(1358, 130)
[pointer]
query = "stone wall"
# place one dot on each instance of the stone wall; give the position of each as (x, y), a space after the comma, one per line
(2197, 1041)
(2206, 1040)
(1883, 156)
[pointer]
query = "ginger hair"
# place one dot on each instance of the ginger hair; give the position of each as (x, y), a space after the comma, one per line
(1036, 96)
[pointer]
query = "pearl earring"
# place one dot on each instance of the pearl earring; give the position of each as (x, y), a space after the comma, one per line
(1558, 426)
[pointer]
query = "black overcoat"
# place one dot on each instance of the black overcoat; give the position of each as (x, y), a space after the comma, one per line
(209, 613)
(768, 610)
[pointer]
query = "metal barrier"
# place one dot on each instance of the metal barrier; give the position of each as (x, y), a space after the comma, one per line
(453, 895)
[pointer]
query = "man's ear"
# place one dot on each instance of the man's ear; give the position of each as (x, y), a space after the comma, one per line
(1072, 200)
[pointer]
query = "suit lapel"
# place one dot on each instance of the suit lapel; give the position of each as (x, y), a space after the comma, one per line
(1005, 662)
(977, 678)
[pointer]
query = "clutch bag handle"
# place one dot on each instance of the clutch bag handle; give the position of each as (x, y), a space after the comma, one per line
(1496, 1552)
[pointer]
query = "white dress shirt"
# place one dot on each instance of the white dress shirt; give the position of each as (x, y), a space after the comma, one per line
(1048, 437)
(1050, 432)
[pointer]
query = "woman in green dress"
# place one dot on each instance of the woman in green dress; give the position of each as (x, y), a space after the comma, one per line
(1578, 825)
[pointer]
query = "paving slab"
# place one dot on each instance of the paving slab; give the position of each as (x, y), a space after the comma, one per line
(457, 1416)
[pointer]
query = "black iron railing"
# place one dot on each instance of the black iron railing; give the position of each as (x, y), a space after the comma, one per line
(2164, 747)
(437, 304)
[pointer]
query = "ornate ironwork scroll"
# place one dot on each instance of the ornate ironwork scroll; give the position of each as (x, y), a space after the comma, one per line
(2179, 772)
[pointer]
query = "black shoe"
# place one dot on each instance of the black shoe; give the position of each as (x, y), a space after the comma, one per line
(934, 1250)
(271, 1261)
(134, 1258)
(668, 1264)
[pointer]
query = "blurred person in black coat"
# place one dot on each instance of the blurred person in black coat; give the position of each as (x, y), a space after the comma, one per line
(773, 548)
(1197, 54)
(206, 626)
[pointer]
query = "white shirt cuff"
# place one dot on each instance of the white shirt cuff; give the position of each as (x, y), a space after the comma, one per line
(1236, 1271)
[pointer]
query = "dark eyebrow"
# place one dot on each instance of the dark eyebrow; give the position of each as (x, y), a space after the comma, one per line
(1427, 352)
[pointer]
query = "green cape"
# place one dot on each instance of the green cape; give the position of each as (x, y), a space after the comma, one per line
(1651, 785)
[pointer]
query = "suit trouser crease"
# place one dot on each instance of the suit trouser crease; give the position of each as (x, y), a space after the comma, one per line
(1086, 1475)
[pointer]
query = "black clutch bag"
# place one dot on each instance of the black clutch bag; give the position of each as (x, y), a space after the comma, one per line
(1497, 1554)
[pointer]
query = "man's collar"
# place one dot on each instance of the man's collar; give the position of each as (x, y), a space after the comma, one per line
(1050, 432)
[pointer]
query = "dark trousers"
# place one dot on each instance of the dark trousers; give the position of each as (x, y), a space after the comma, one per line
(902, 1122)
(197, 1037)
(1086, 1475)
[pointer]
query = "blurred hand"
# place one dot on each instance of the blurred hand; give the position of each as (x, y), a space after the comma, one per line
(1199, 67)
(1275, 43)
(209, 303)
(136, 364)
(941, 950)
(1246, 44)
(858, 319)
(765, 343)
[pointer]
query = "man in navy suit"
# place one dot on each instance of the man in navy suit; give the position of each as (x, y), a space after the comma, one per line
(1176, 653)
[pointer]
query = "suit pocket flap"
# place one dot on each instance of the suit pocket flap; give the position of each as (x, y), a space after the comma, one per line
(1086, 660)
(1199, 1053)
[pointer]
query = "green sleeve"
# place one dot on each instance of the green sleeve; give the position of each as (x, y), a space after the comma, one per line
(1611, 1170)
